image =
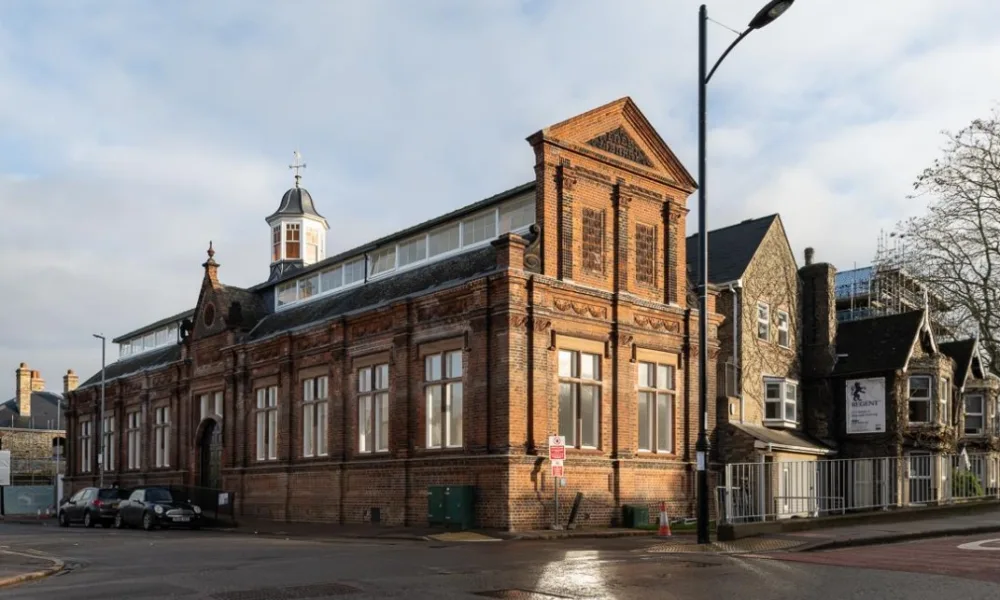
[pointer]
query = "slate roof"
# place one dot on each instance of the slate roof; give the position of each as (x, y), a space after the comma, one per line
(730, 249)
(134, 364)
(44, 410)
(423, 279)
(962, 352)
(251, 307)
(783, 437)
(876, 344)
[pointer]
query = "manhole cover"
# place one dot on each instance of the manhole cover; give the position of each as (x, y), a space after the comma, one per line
(318, 590)
(516, 594)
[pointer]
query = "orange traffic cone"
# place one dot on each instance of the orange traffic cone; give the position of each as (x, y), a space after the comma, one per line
(664, 521)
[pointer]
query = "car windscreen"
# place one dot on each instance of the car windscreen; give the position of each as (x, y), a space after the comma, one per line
(158, 495)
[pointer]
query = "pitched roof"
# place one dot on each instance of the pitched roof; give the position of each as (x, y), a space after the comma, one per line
(154, 326)
(962, 352)
(420, 280)
(134, 364)
(44, 412)
(783, 437)
(730, 249)
(877, 344)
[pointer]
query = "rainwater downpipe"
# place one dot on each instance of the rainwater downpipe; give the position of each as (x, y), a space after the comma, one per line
(733, 286)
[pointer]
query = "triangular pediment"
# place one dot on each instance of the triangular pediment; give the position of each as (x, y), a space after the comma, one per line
(620, 143)
(620, 131)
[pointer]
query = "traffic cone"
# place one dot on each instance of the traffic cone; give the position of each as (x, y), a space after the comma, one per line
(664, 521)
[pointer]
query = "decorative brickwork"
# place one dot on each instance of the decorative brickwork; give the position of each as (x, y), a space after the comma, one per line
(645, 254)
(620, 143)
(593, 240)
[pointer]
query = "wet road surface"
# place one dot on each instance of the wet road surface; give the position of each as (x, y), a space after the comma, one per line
(107, 564)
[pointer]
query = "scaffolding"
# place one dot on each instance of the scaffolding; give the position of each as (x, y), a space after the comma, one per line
(888, 287)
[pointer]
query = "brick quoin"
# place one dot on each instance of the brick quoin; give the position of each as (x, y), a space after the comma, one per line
(607, 166)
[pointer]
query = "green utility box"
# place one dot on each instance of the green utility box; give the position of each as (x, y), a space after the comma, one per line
(452, 506)
(635, 516)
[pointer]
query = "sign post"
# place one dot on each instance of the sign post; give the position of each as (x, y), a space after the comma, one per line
(557, 454)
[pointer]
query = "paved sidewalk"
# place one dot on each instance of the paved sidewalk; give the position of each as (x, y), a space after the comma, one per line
(887, 533)
(20, 567)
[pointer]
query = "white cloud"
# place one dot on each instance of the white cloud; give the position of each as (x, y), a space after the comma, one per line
(134, 132)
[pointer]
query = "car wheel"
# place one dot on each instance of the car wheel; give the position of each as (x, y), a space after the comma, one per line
(88, 520)
(147, 522)
(119, 524)
(63, 519)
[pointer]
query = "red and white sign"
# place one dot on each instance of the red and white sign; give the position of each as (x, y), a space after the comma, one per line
(557, 448)
(557, 470)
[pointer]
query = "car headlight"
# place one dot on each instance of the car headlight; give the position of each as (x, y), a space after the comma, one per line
(158, 509)
(196, 509)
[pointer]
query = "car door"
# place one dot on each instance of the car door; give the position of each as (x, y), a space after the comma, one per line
(81, 504)
(132, 513)
(70, 506)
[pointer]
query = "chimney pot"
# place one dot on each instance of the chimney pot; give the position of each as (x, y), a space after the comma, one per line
(809, 256)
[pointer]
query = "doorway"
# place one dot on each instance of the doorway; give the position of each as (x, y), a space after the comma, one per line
(211, 456)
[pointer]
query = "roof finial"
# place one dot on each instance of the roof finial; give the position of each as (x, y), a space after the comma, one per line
(211, 251)
(296, 165)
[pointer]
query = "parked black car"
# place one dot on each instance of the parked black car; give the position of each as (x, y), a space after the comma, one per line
(91, 506)
(151, 507)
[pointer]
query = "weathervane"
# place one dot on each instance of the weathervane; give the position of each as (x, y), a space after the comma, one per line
(296, 165)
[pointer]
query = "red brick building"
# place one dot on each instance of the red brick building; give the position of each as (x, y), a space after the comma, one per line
(343, 387)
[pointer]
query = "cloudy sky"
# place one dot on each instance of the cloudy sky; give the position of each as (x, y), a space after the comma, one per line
(133, 132)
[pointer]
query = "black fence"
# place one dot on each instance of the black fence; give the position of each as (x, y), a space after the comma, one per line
(218, 507)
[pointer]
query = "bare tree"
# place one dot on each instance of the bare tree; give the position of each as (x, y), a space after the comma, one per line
(955, 246)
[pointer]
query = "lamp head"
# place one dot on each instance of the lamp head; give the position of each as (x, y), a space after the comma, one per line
(771, 11)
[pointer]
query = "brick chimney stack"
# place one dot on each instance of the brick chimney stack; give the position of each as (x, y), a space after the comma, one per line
(809, 256)
(819, 346)
(70, 381)
(23, 377)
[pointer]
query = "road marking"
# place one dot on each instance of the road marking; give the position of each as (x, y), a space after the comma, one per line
(980, 545)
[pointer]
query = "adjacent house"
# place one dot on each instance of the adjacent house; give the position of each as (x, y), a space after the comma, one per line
(978, 393)
(349, 388)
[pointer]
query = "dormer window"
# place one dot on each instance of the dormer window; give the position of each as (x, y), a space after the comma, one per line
(292, 251)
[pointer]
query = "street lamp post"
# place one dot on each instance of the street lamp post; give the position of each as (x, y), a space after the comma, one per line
(771, 11)
(100, 421)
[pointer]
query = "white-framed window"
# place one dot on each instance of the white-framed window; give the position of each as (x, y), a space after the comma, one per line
(443, 388)
(218, 403)
(267, 423)
(373, 408)
(308, 286)
(86, 445)
(276, 243)
(293, 250)
(781, 398)
(315, 406)
(312, 245)
(784, 335)
(108, 433)
(161, 337)
(975, 418)
(763, 321)
(161, 434)
(411, 251)
(945, 400)
(133, 435)
(354, 271)
(920, 405)
(479, 228)
(580, 398)
(446, 239)
(656, 407)
(382, 260)
(517, 215)
(331, 279)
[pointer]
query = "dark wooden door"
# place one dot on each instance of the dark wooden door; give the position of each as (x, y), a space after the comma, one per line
(211, 456)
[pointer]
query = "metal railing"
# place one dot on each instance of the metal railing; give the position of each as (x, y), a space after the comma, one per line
(765, 491)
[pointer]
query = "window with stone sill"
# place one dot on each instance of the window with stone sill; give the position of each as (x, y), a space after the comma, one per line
(945, 400)
(267, 423)
(781, 399)
(919, 399)
(656, 407)
(975, 418)
(444, 392)
(133, 433)
(161, 437)
(315, 402)
(580, 398)
(86, 445)
(763, 322)
(108, 454)
(373, 408)
(784, 337)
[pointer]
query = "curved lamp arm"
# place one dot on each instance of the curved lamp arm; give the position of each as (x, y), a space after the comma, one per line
(726, 53)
